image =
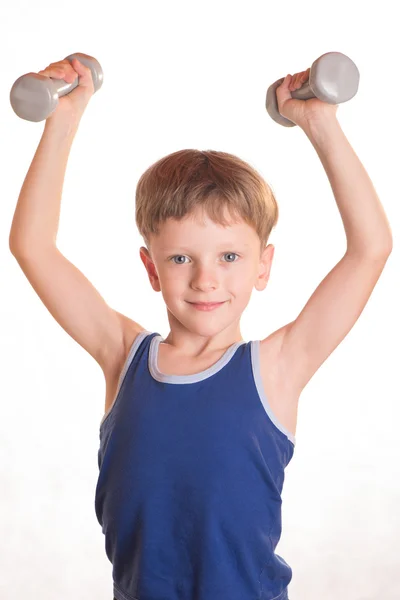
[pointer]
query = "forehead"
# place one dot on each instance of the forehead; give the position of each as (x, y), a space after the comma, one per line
(198, 229)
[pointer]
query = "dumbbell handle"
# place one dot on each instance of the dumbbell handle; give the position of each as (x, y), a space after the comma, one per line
(333, 78)
(34, 97)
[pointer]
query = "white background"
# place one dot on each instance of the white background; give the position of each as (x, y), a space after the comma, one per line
(194, 75)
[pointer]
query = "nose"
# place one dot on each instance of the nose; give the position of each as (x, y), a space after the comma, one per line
(204, 279)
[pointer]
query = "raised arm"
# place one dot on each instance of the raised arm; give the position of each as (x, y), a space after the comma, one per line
(338, 301)
(66, 292)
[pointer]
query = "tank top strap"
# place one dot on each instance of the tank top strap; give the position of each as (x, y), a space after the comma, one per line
(138, 351)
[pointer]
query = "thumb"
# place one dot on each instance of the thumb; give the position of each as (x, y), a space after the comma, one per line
(85, 74)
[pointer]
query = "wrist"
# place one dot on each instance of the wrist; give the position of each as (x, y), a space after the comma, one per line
(318, 130)
(62, 126)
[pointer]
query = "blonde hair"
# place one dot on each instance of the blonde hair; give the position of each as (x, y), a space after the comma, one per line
(174, 186)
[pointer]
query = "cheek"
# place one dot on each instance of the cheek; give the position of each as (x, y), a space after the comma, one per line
(243, 278)
(243, 286)
(174, 283)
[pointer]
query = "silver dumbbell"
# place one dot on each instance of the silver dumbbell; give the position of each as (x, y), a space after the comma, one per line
(34, 97)
(333, 78)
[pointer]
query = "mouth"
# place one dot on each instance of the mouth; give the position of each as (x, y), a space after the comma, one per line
(206, 305)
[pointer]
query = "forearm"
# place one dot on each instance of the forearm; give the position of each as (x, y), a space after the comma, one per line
(37, 214)
(366, 226)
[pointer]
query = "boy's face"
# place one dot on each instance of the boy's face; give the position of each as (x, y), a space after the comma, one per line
(197, 260)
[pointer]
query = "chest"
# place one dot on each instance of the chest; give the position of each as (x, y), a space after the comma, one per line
(282, 400)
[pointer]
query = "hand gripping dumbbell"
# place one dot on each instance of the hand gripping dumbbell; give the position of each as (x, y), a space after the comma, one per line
(333, 79)
(34, 97)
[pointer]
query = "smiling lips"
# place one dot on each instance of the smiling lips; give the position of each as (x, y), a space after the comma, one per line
(206, 305)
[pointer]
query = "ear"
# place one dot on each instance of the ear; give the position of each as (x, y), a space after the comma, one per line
(264, 267)
(150, 268)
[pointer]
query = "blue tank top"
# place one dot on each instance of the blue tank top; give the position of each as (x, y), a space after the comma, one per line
(191, 469)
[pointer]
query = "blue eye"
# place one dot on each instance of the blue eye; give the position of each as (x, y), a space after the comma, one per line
(178, 256)
(231, 254)
(183, 256)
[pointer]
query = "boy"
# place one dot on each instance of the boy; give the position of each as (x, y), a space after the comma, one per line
(199, 426)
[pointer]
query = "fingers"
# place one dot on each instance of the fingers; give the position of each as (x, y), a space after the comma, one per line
(293, 82)
(282, 91)
(298, 80)
(63, 69)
